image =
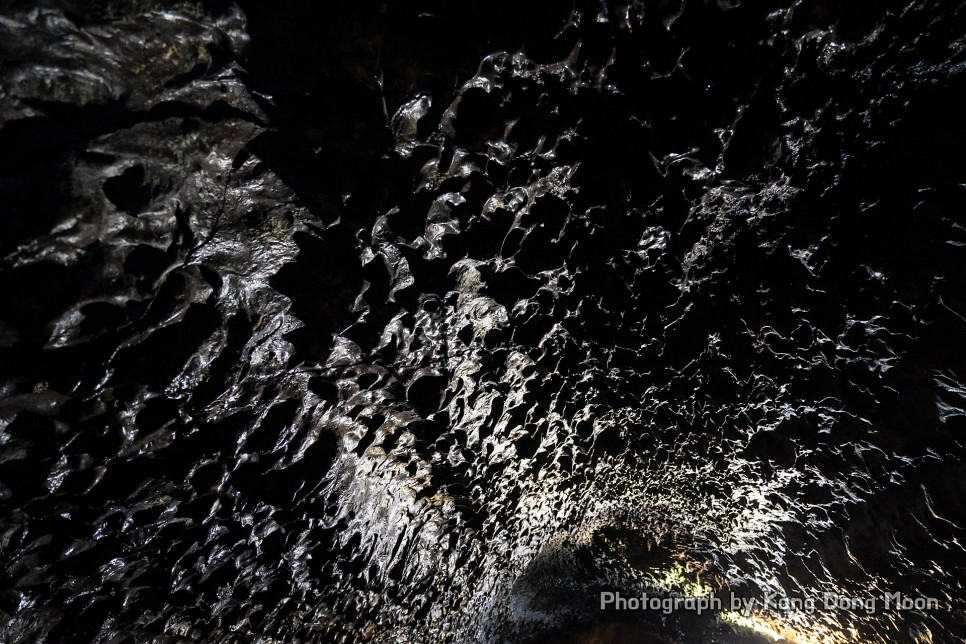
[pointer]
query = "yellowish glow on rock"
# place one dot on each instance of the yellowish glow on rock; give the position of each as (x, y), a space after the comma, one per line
(779, 630)
(679, 578)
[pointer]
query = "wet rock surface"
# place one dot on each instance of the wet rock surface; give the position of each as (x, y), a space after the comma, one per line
(430, 321)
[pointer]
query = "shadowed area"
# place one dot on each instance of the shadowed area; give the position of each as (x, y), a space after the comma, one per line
(433, 321)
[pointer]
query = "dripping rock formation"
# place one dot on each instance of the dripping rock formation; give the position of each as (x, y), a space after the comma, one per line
(386, 321)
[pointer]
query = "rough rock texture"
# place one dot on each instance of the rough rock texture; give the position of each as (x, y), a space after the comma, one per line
(427, 321)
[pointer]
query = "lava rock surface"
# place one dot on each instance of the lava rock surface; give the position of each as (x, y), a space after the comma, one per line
(429, 321)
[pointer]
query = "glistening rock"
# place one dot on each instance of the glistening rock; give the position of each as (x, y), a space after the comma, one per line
(431, 321)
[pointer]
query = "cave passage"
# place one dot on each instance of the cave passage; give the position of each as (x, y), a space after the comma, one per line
(581, 321)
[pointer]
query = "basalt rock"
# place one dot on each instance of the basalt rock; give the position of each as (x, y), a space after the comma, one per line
(432, 321)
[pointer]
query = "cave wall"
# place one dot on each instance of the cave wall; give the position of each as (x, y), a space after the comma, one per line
(391, 321)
